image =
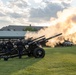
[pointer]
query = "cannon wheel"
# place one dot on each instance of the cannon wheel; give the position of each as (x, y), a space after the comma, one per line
(39, 53)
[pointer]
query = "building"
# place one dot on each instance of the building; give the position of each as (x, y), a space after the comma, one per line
(18, 28)
(12, 34)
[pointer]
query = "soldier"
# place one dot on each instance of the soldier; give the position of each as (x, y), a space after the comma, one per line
(3, 47)
(20, 46)
(9, 46)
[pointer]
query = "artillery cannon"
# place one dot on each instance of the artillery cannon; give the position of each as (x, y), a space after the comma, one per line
(32, 48)
(35, 48)
(14, 51)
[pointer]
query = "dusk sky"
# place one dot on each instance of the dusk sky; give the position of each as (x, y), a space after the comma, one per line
(34, 12)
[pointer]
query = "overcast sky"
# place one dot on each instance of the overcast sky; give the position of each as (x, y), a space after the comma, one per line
(35, 12)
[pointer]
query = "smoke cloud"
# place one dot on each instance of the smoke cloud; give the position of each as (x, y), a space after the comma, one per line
(65, 24)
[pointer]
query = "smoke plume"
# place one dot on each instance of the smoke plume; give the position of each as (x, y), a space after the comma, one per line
(65, 24)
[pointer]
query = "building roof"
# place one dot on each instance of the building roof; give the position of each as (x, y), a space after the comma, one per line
(12, 34)
(18, 28)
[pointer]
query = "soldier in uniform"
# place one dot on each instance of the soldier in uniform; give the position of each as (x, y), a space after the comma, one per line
(3, 47)
(9, 46)
(20, 46)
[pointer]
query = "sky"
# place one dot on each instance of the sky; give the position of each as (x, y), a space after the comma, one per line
(34, 12)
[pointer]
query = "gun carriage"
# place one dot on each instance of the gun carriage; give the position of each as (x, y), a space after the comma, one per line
(31, 47)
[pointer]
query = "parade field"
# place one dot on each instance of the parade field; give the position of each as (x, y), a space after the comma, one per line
(57, 61)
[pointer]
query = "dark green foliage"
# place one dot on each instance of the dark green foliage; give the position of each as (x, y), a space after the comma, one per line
(30, 28)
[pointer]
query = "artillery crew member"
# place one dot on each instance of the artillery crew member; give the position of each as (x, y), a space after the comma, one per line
(3, 47)
(9, 46)
(20, 46)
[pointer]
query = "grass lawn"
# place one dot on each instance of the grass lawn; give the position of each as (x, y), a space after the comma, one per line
(57, 61)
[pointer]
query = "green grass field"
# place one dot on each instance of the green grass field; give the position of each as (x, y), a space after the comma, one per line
(57, 61)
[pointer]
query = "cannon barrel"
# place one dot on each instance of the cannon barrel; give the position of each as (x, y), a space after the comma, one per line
(43, 39)
(30, 40)
(38, 38)
(46, 39)
(54, 36)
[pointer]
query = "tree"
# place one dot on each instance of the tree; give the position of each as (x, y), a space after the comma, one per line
(30, 28)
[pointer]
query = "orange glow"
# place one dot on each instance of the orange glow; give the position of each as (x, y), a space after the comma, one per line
(65, 24)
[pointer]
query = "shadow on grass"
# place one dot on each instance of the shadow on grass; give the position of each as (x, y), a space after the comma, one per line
(14, 65)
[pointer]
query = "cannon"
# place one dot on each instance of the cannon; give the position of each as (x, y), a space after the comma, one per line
(32, 48)
(14, 51)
